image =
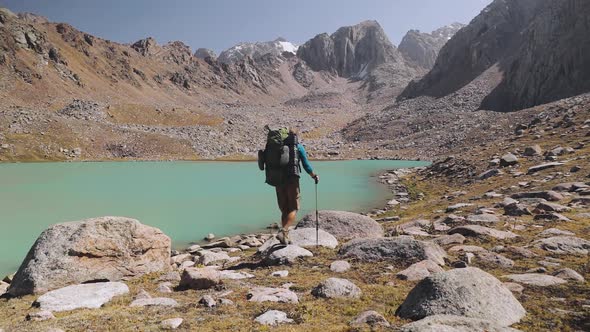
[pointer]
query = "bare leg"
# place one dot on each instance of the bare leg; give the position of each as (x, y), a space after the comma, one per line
(287, 219)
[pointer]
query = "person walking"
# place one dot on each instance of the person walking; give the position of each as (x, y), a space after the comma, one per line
(282, 159)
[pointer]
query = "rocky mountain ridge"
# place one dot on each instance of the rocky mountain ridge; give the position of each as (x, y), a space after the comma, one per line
(423, 48)
(256, 50)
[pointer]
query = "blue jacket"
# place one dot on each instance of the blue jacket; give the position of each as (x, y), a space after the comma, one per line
(303, 157)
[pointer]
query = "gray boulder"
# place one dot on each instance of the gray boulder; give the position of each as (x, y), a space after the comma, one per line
(508, 160)
(339, 266)
(273, 318)
(89, 296)
(344, 225)
(533, 150)
(268, 294)
(106, 248)
(171, 323)
(452, 323)
(483, 218)
(419, 271)
(481, 231)
(40, 316)
(548, 195)
(286, 255)
(568, 274)
(371, 318)
(541, 167)
(444, 240)
(306, 237)
(401, 249)
(564, 245)
(468, 292)
(336, 288)
(200, 278)
(536, 279)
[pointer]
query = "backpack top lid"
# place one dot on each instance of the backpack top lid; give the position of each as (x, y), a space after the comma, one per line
(277, 136)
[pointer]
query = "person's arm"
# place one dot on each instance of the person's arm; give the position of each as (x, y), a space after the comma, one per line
(305, 162)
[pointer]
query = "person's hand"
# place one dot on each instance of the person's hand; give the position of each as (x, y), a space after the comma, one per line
(316, 178)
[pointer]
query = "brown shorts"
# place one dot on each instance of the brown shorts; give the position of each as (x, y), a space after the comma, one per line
(288, 196)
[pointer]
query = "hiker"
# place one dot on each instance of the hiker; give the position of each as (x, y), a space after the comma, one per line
(282, 159)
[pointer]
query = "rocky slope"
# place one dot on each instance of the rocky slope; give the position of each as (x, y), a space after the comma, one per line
(422, 48)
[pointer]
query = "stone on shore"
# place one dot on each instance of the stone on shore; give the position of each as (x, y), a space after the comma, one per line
(90, 296)
(154, 302)
(535, 279)
(273, 318)
(401, 249)
(268, 294)
(453, 323)
(106, 248)
(564, 245)
(336, 288)
(200, 278)
(339, 266)
(371, 318)
(306, 237)
(344, 225)
(419, 271)
(481, 231)
(468, 292)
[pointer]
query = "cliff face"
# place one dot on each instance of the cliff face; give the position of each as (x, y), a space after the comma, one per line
(488, 39)
(553, 61)
(423, 48)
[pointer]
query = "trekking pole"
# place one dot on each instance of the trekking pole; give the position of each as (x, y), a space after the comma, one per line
(317, 217)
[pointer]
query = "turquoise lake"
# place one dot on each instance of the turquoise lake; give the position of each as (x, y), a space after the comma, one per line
(187, 200)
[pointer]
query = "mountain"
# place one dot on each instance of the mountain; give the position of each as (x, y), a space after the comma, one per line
(204, 53)
(422, 48)
(257, 50)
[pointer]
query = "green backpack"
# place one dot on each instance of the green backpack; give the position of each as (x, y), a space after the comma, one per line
(279, 159)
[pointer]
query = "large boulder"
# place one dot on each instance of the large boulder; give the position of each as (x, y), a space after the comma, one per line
(468, 292)
(565, 245)
(89, 296)
(281, 255)
(343, 225)
(452, 323)
(336, 288)
(200, 278)
(99, 249)
(536, 279)
(401, 249)
(481, 231)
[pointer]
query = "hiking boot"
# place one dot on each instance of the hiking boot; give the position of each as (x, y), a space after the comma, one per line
(283, 237)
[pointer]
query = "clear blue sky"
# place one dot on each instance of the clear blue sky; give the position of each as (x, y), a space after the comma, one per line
(219, 24)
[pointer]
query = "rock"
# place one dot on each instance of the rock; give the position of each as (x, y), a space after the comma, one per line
(449, 239)
(286, 255)
(90, 296)
(568, 274)
(154, 302)
(419, 271)
(209, 257)
(40, 316)
(233, 275)
(580, 201)
(570, 186)
(566, 245)
(467, 248)
(280, 274)
(551, 207)
(200, 278)
(142, 294)
(489, 173)
(171, 324)
(554, 232)
(541, 167)
(483, 218)
(273, 318)
(468, 292)
(267, 294)
(517, 210)
(170, 276)
(336, 288)
(495, 259)
(106, 248)
(401, 249)
(194, 248)
(8, 279)
(554, 216)
(164, 287)
(535, 279)
(208, 301)
(371, 318)
(514, 287)
(224, 242)
(179, 259)
(520, 251)
(533, 151)
(479, 231)
(508, 160)
(306, 237)
(549, 195)
(452, 323)
(210, 237)
(225, 302)
(339, 266)
(458, 206)
(344, 225)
